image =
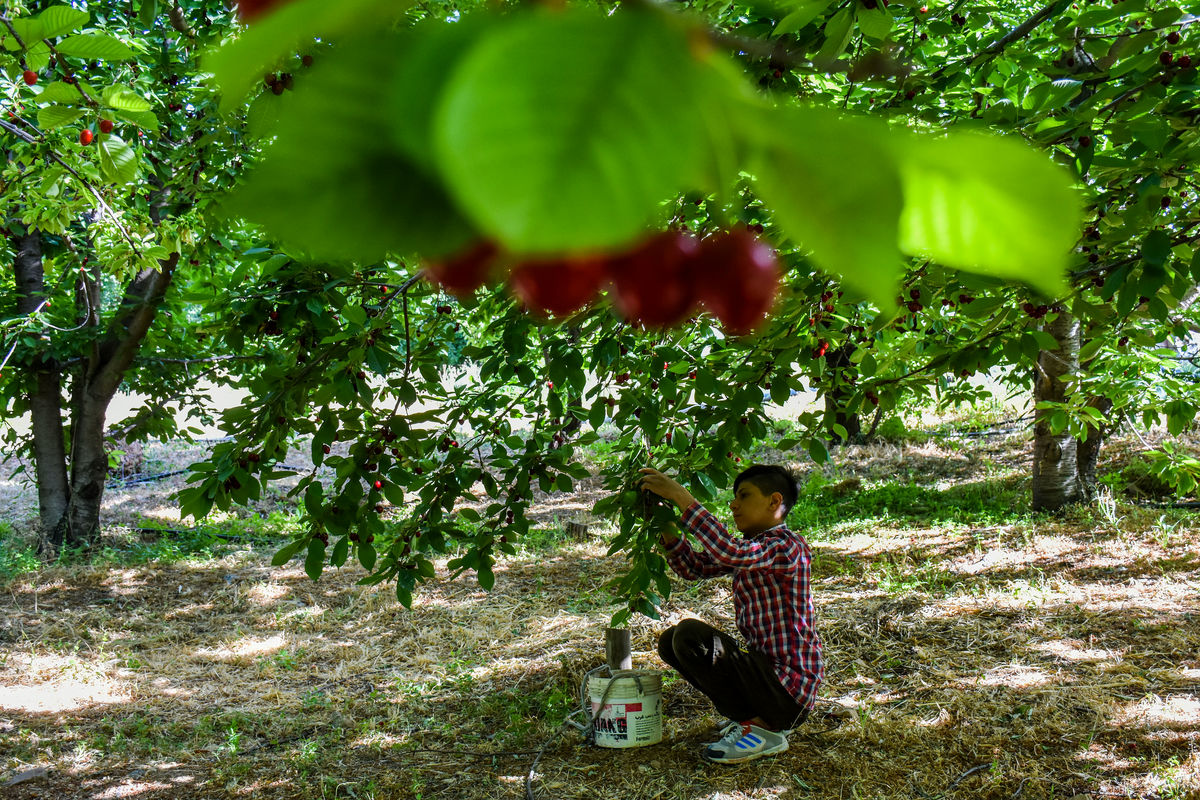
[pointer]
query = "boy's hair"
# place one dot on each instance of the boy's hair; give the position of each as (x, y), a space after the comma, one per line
(768, 479)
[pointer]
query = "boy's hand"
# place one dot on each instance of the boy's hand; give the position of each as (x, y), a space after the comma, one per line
(654, 481)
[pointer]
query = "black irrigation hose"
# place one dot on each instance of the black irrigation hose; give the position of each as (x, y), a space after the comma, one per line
(955, 782)
(137, 479)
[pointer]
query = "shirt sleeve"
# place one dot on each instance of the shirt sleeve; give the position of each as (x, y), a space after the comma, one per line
(723, 550)
(693, 565)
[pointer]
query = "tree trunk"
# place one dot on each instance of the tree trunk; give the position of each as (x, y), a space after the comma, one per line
(618, 648)
(836, 397)
(70, 509)
(45, 404)
(89, 469)
(1055, 469)
(1089, 450)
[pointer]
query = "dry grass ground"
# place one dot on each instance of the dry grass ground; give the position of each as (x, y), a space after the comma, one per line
(1001, 657)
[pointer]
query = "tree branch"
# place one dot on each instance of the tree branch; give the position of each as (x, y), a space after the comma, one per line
(105, 378)
(998, 46)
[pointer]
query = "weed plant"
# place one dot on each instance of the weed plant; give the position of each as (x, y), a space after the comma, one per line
(16, 557)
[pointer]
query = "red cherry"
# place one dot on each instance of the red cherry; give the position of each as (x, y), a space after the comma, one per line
(652, 283)
(1173, 37)
(557, 286)
(464, 272)
(106, 126)
(378, 484)
(325, 449)
(737, 277)
(253, 9)
(85, 137)
(30, 77)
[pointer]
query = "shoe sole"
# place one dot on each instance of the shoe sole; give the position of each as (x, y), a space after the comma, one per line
(779, 748)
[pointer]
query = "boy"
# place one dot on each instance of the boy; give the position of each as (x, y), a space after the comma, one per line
(768, 688)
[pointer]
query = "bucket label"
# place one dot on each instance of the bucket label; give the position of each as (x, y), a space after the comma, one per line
(613, 722)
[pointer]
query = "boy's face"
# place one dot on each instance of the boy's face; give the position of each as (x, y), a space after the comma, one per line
(754, 512)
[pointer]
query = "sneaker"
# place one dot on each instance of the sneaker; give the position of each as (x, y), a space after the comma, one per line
(721, 731)
(744, 743)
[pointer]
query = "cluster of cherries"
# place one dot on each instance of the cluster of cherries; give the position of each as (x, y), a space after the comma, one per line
(660, 282)
(85, 135)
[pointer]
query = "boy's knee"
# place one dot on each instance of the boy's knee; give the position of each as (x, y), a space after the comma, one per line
(666, 645)
(692, 630)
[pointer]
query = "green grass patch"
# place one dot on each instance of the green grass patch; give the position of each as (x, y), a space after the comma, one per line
(989, 502)
(16, 557)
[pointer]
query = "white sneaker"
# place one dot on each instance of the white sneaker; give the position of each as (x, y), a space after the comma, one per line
(746, 742)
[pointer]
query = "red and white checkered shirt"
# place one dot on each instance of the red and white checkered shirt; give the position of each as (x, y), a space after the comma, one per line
(772, 598)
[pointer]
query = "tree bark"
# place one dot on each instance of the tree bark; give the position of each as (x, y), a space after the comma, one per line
(618, 648)
(45, 403)
(835, 400)
(1055, 468)
(1089, 450)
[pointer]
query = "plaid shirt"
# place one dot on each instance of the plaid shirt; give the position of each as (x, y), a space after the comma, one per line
(772, 599)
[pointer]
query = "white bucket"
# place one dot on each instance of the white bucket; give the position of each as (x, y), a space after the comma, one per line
(632, 713)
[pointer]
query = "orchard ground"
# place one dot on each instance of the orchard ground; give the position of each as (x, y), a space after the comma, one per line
(974, 650)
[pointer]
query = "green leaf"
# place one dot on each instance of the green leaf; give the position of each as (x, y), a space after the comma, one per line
(367, 555)
(57, 116)
(123, 98)
(313, 497)
(238, 65)
(487, 579)
(837, 35)
(147, 12)
(835, 191)
(263, 115)
(817, 451)
(559, 131)
(780, 393)
(37, 57)
(98, 46)
(431, 53)
(314, 562)
(707, 485)
(805, 12)
(1156, 247)
(118, 161)
(394, 492)
(286, 553)
(332, 183)
(145, 120)
(61, 19)
(30, 30)
(1045, 341)
(990, 205)
(875, 23)
(60, 92)
(340, 551)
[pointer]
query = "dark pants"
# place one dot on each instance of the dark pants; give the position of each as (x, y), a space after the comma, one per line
(741, 683)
